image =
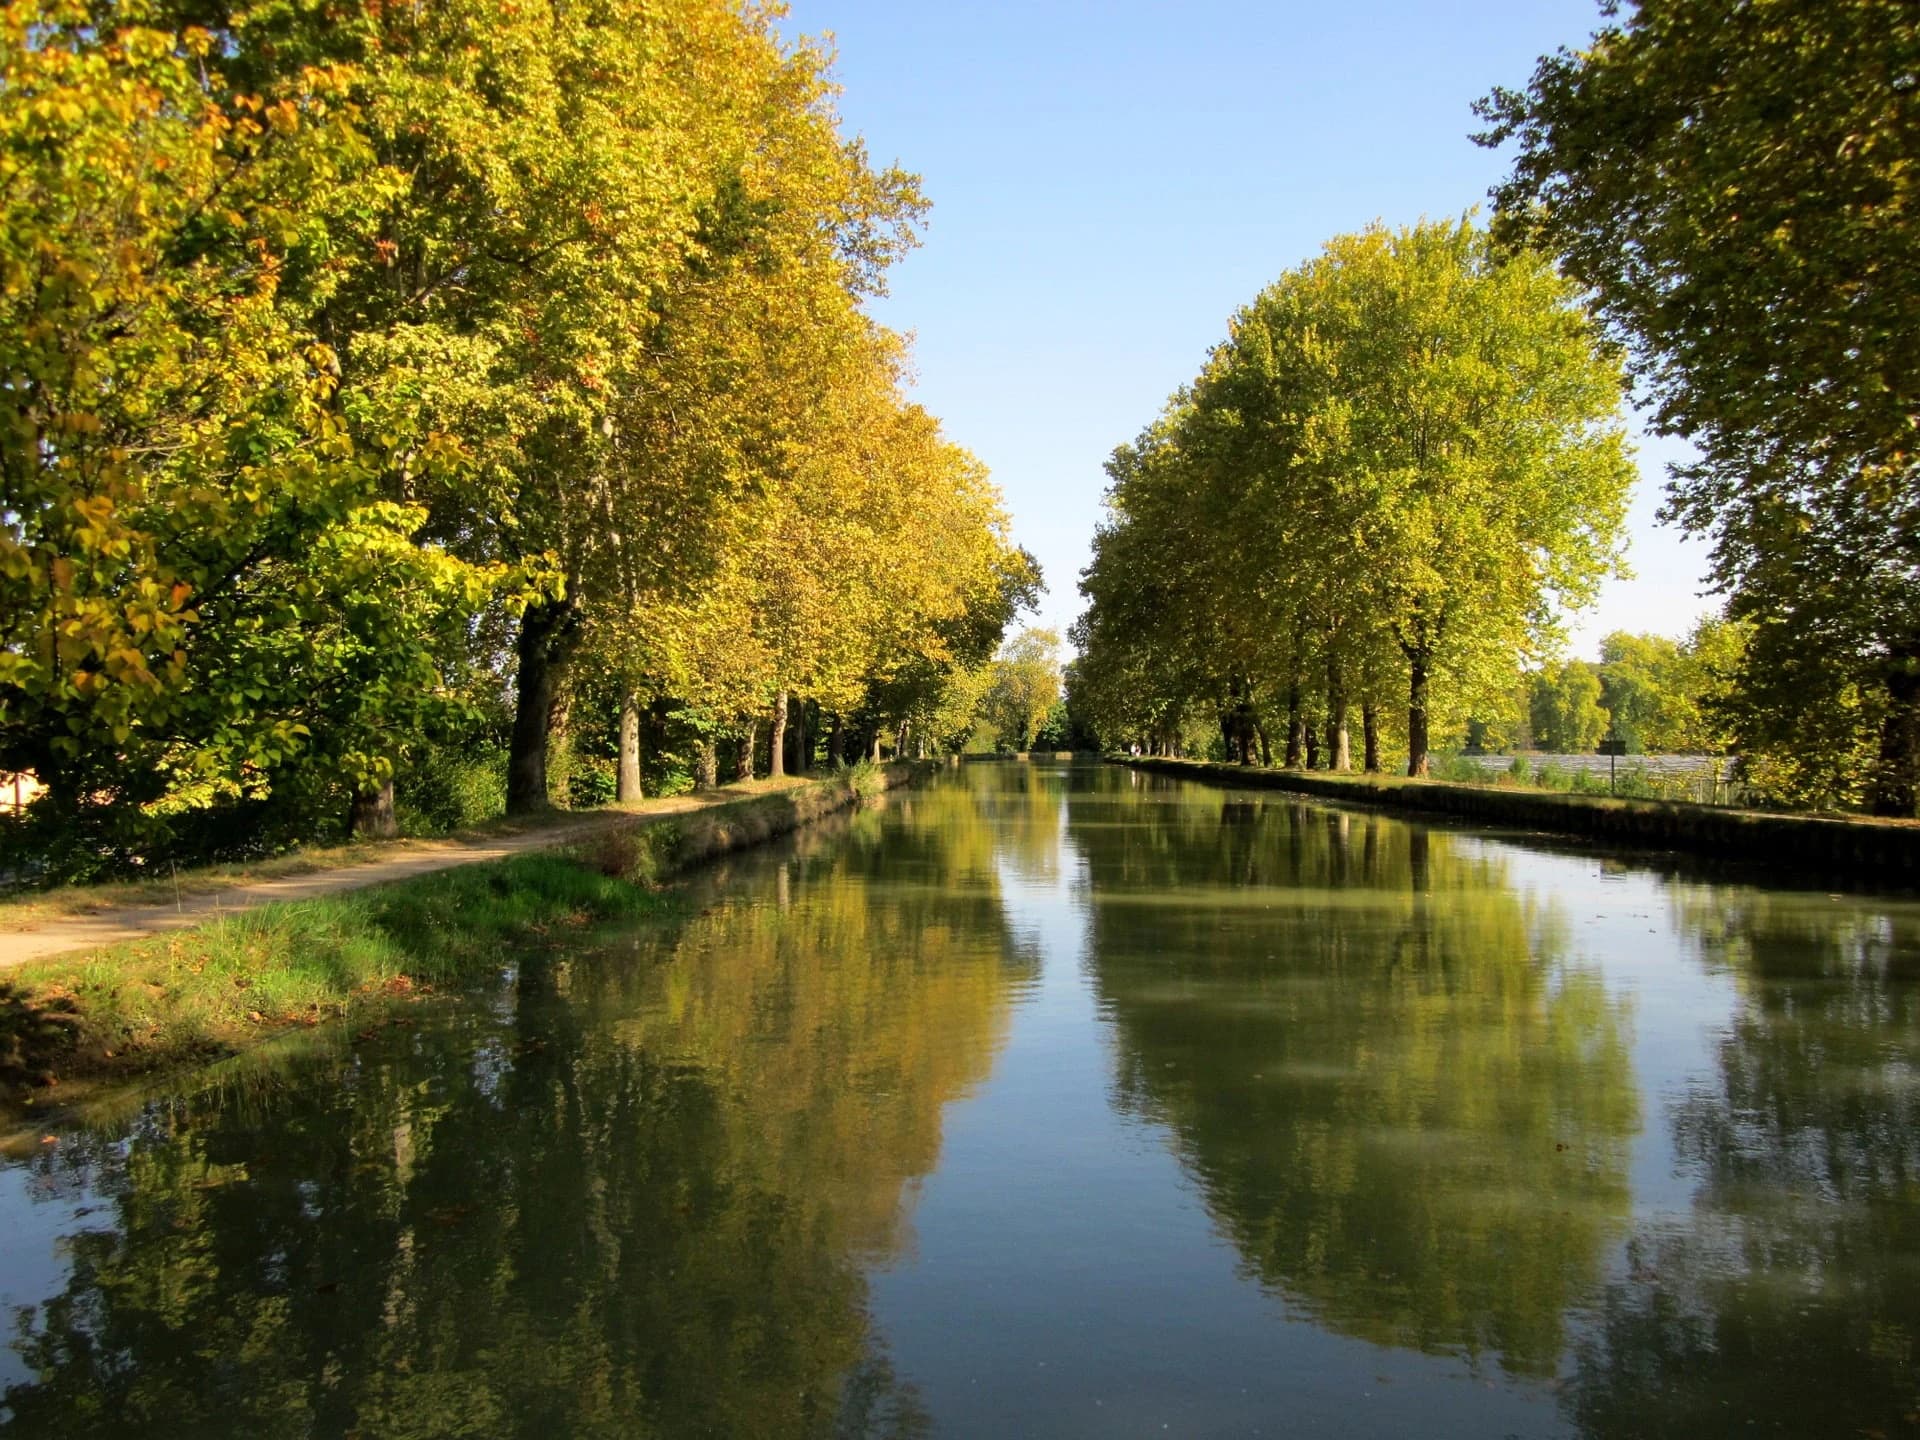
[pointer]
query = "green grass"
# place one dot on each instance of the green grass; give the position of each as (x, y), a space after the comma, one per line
(29, 906)
(70, 1022)
(209, 991)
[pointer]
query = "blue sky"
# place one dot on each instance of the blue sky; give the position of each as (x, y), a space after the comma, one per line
(1110, 181)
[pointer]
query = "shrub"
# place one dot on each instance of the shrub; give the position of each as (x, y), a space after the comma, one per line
(866, 778)
(591, 781)
(1460, 770)
(450, 789)
(1633, 782)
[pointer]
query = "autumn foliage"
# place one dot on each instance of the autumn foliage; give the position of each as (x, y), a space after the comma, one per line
(383, 379)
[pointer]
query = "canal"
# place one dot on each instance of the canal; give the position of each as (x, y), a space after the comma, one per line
(1050, 1101)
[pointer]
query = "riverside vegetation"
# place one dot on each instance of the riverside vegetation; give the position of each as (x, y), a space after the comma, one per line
(417, 412)
(1407, 1130)
(1405, 464)
(222, 986)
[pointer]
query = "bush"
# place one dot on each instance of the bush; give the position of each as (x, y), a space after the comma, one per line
(670, 779)
(866, 778)
(446, 789)
(592, 781)
(1633, 782)
(1521, 770)
(1460, 770)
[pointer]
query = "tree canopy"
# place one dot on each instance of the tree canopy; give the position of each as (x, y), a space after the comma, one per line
(1403, 463)
(1733, 182)
(368, 367)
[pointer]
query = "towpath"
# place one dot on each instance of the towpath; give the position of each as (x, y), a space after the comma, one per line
(28, 932)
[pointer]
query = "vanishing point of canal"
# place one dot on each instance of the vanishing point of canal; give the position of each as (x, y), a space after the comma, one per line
(1050, 1101)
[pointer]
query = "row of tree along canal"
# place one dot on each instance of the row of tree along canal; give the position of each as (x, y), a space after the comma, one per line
(1407, 454)
(455, 408)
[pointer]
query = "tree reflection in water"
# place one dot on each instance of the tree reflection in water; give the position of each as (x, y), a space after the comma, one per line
(639, 1190)
(1792, 1290)
(1404, 1104)
(632, 1197)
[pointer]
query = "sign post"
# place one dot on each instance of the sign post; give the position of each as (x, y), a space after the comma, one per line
(1613, 747)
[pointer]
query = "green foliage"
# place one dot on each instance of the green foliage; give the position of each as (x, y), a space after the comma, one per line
(1403, 462)
(449, 787)
(1056, 731)
(1632, 671)
(1564, 704)
(202, 584)
(1025, 687)
(1669, 696)
(1734, 183)
(1461, 770)
(590, 782)
(867, 779)
(366, 363)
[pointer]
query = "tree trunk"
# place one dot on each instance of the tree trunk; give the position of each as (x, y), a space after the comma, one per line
(1296, 732)
(777, 738)
(1339, 744)
(836, 740)
(372, 815)
(875, 753)
(749, 737)
(706, 764)
(627, 781)
(543, 646)
(1312, 737)
(1895, 790)
(801, 760)
(1417, 713)
(1370, 735)
(1242, 723)
(560, 756)
(1266, 750)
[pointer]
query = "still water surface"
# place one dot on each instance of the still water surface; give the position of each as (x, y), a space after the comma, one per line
(1053, 1102)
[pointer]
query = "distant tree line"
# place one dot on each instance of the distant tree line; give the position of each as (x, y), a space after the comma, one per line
(1648, 693)
(453, 406)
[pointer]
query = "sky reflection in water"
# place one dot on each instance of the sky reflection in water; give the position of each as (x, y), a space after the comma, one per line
(1043, 1101)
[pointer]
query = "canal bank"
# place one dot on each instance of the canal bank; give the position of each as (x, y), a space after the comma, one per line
(251, 971)
(1886, 850)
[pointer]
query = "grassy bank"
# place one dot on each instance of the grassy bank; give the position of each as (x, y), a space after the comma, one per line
(1888, 850)
(71, 1022)
(27, 906)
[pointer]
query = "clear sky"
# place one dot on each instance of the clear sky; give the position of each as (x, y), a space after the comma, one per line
(1111, 180)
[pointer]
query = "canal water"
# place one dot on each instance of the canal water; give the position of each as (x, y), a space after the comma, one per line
(1050, 1101)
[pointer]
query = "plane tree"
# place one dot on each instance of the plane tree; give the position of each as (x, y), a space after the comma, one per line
(1733, 183)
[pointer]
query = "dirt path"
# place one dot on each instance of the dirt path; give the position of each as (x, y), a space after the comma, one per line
(30, 938)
